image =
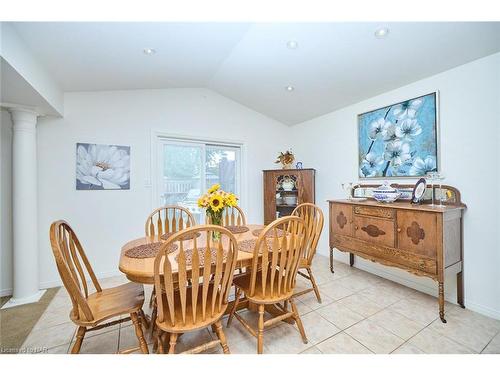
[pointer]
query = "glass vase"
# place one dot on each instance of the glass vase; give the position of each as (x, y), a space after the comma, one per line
(215, 219)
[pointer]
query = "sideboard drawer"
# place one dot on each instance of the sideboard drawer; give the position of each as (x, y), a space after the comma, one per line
(374, 230)
(386, 213)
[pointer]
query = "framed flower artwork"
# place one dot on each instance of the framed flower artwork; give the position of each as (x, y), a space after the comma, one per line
(400, 140)
(102, 167)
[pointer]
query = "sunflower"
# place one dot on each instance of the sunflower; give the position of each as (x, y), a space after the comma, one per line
(216, 202)
(214, 188)
(231, 200)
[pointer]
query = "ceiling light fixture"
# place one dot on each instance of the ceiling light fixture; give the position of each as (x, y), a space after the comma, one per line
(149, 51)
(381, 33)
(289, 88)
(292, 44)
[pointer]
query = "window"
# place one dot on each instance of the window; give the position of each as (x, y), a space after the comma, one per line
(188, 168)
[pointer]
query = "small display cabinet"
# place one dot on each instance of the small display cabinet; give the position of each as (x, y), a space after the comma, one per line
(285, 189)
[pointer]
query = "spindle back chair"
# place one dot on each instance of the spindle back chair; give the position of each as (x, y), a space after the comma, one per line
(314, 220)
(91, 308)
(194, 292)
(232, 216)
(276, 258)
(168, 219)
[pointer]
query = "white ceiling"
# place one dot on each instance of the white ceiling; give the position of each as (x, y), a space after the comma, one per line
(336, 64)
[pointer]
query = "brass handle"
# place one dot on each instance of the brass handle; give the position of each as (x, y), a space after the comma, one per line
(399, 230)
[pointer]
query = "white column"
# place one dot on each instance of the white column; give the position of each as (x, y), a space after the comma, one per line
(24, 199)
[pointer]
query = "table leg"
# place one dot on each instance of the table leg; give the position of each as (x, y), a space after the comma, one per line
(351, 259)
(441, 302)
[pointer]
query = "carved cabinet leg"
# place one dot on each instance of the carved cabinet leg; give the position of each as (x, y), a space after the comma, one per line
(460, 290)
(351, 259)
(331, 259)
(441, 302)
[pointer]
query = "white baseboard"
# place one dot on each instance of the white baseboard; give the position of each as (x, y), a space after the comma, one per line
(6, 292)
(58, 282)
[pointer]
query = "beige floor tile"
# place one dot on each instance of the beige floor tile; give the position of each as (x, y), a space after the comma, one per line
(432, 342)
(341, 316)
(317, 328)
(470, 334)
(50, 337)
(396, 323)
(284, 339)
(128, 338)
(245, 347)
(355, 282)
(342, 343)
(301, 307)
(52, 318)
(493, 347)
(236, 332)
(415, 311)
(380, 295)
(361, 305)
(107, 343)
(310, 301)
(321, 277)
(472, 318)
(408, 349)
(374, 337)
(61, 349)
(395, 289)
(334, 290)
(311, 350)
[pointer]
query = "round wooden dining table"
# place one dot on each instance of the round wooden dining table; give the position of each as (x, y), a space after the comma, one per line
(141, 270)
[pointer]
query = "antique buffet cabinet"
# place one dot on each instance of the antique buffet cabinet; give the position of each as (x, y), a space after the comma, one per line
(423, 239)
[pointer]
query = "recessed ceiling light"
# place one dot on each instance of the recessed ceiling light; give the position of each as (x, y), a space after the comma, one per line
(292, 44)
(149, 51)
(382, 32)
(289, 88)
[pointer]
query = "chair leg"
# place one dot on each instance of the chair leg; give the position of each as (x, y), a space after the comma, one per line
(313, 282)
(296, 317)
(139, 333)
(233, 310)
(222, 337)
(173, 341)
(159, 343)
(260, 334)
(80, 334)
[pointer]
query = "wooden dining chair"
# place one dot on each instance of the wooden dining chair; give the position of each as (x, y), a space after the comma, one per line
(168, 219)
(276, 258)
(195, 285)
(231, 216)
(92, 311)
(313, 218)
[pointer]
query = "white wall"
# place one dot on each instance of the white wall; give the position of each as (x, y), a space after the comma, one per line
(5, 203)
(470, 159)
(105, 220)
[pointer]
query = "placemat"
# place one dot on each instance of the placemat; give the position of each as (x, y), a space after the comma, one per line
(257, 232)
(235, 229)
(201, 256)
(249, 245)
(190, 236)
(149, 250)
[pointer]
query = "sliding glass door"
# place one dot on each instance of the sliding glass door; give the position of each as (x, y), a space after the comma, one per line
(188, 168)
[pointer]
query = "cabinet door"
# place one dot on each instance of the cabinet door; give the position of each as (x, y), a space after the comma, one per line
(374, 230)
(417, 232)
(269, 197)
(341, 219)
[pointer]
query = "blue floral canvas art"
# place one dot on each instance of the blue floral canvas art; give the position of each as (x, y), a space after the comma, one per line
(399, 140)
(102, 167)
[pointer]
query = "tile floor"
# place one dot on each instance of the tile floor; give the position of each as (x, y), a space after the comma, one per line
(360, 313)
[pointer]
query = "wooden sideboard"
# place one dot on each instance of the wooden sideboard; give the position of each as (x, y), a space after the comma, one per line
(422, 239)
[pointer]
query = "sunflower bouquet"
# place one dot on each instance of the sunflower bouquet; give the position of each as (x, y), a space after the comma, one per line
(214, 201)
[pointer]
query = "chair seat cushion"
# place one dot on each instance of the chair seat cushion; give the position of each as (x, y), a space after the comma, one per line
(111, 302)
(266, 297)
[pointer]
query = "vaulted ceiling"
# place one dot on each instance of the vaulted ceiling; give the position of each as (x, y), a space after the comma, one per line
(334, 64)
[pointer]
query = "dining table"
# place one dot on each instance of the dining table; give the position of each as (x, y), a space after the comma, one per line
(141, 270)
